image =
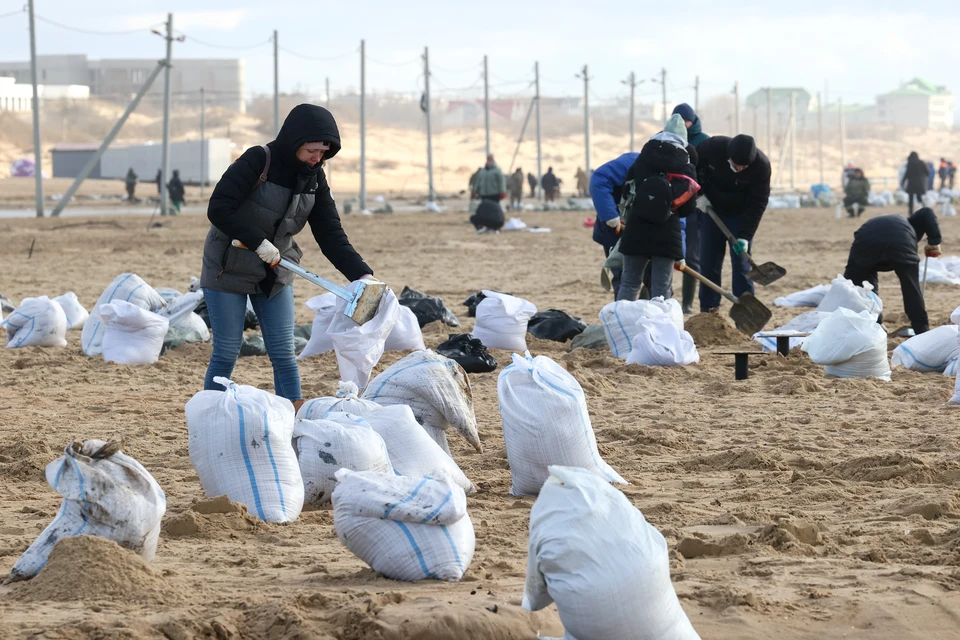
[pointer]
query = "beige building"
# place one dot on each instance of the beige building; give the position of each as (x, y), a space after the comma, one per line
(917, 103)
(15, 96)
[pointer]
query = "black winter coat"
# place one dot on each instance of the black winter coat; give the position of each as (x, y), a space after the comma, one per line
(176, 189)
(916, 177)
(742, 195)
(885, 242)
(306, 123)
(641, 237)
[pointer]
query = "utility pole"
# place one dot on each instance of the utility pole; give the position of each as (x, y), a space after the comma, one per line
(203, 142)
(165, 155)
(663, 82)
(843, 134)
(363, 126)
(329, 168)
(820, 134)
(536, 82)
(586, 117)
(486, 103)
(769, 120)
(37, 151)
(426, 92)
(736, 108)
(276, 84)
(696, 94)
(793, 139)
(632, 83)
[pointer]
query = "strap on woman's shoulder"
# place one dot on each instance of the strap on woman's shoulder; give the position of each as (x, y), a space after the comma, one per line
(266, 166)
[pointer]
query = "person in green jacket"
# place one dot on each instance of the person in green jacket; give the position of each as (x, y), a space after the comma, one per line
(490, 184)
(856, 192)
(695, 136)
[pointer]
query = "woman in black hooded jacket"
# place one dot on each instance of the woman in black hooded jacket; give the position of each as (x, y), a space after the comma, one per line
(915, 179)
(263, 199)
(650, 234)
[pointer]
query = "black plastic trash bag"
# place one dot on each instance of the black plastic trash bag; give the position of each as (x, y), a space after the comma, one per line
(253, 346)
(556, 325)
(472, 302)
(427, 308)
(249, 319)
(469, 353)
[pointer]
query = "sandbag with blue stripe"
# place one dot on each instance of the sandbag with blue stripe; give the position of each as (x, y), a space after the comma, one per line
(127, 287)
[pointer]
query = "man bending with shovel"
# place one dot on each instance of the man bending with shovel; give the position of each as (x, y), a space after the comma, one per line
(735, 177)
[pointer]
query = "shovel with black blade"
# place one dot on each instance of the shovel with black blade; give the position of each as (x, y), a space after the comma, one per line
(762, 274)
(749, 314)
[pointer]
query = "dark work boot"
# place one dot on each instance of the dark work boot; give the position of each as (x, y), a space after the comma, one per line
(689, 293)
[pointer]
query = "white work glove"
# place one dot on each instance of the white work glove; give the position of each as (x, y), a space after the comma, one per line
(269, 253)
(613, 223)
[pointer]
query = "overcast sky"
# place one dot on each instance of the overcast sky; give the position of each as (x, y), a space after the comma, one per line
(860, 47)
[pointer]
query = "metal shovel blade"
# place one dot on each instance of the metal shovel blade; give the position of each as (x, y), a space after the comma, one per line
(766, 273)
(749, 314)
(367, 302)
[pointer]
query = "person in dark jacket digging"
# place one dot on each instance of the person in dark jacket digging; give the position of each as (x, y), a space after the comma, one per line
(889, 243)
(695, 136)
(652, 233)
(735, 177)
(856, 192)
(915, 180)
(176, 191)
(264, 199)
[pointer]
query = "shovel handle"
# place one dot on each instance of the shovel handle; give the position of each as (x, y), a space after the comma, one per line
(716, 219)
(336, 290)
(709, 283)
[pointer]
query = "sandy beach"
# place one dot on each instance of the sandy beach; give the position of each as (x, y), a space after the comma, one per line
(795, 506)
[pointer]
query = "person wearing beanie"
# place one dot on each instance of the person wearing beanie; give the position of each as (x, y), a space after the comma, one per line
(735, 177)
(691, 120)
(890, 243)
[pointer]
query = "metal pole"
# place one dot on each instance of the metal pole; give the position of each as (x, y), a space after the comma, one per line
(37, 151)
(276, 84)
(769, 120)
(736, 108)
(586, 118)
(696, 94)
(633, 101)
(663, 81)
(203, 142)
(820, 134)
(92, 162)
(793, 139)
(363, 125)
(328, 166)
(536, 73)
(843, 134)
(165, 155)
(486, 103)
(523, 130)
(426, 93)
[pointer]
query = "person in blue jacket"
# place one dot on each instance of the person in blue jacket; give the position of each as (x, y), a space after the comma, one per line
(605, 189)
(695, 136)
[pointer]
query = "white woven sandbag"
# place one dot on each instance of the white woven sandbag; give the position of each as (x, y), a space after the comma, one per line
(929, 351)
(406, 334)
(73, 310)
(405, 528)
(133, 335)
(37, 322)
(360, 346)
(168, 293)
(502, 321)
(803, 323)
(659, 343)
(436, 388)
(323, 447)
(324, 307)
(619, 320)
(807, 298)
(347, 400)
(126, 287)
(412, 451)
(850, 345)
(845, 293)
(239, 442)
(545, 422)
(105, 493)
(176, 309)
(606, 567)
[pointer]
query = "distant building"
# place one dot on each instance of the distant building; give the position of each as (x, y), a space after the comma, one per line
(917, 103)
(18, 97)
(119, 79)
(70, 158)
(780, 101)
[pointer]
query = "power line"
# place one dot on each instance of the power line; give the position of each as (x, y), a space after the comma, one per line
(473, 68)
(395, 64)
(91, 31)
(318, 59)
(225, 46)
(12, 13)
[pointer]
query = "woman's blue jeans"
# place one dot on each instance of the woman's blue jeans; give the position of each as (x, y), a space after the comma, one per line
(275, 314)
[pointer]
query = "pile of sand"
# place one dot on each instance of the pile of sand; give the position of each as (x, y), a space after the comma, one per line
(210, 519)
(711, 330)
(94, 568)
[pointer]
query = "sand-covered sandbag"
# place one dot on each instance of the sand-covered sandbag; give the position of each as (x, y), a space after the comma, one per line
(502, 321)
(412, 451)
(76, 314)
(406, 334)
(347, 400)
(324, 307)
(659, 343)
(545, 422)
(803, 323)
(606, 567)
(133, 335)
(105, 493)
(929, 351)
(807, 298)
(438, 391)
(849, 295)
(239, 443)
(850, 345)
(360, 346)
(323, 447)
(126, 287)
(403, 527)
(37, 322)
(619, 320)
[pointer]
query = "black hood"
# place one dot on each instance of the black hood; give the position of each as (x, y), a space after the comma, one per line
(660, 156)
(307, 123)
